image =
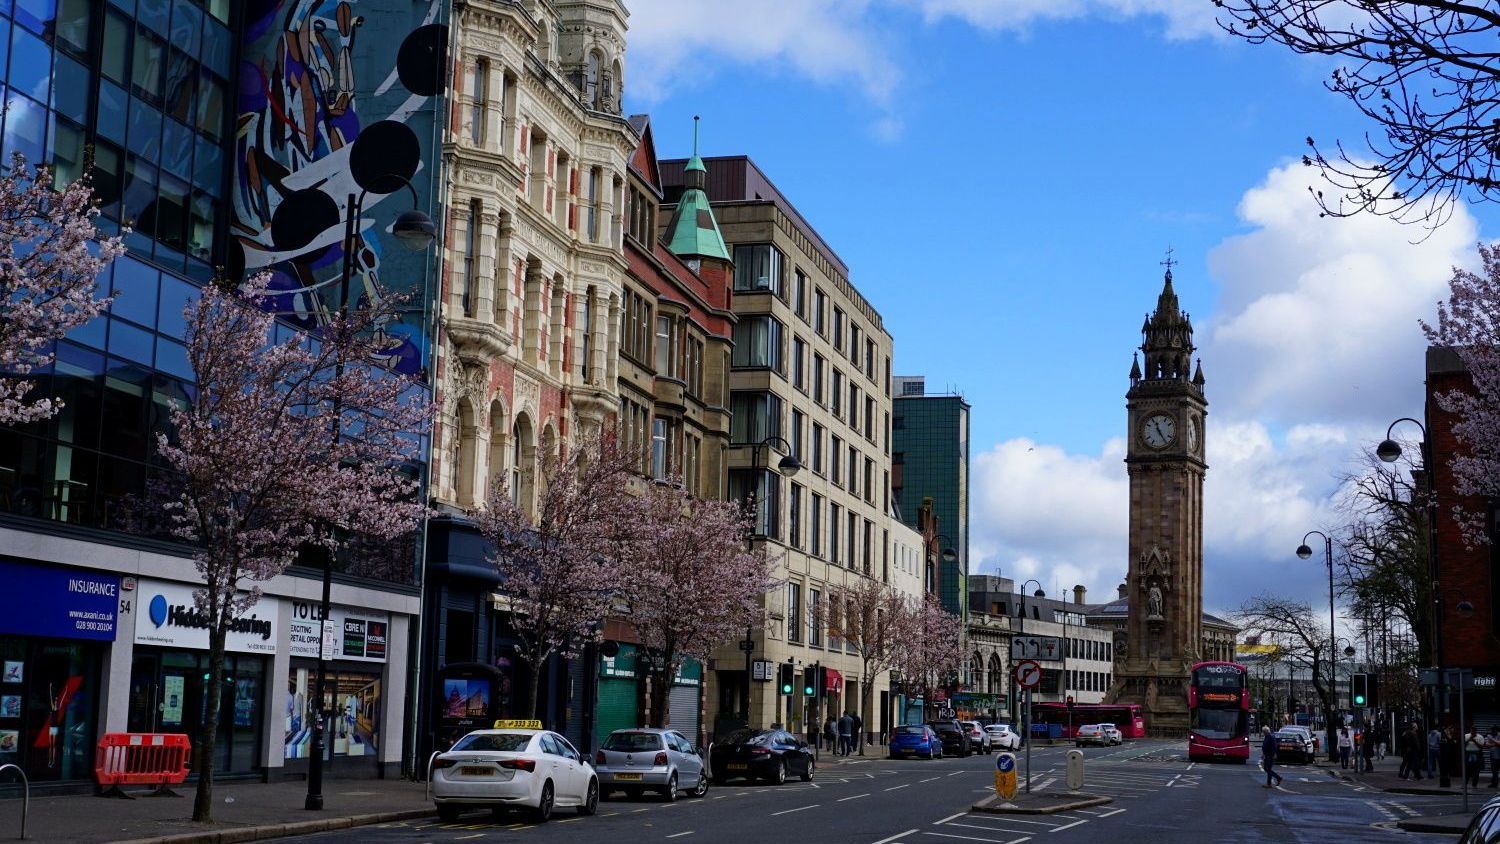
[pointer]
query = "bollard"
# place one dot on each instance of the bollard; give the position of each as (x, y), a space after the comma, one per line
(1005, 776)
(1075, 770)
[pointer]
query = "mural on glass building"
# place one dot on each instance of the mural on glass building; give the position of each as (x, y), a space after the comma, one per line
(337, 101)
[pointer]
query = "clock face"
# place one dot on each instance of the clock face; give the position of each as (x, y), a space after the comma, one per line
(1159, 431)
(1192, 434)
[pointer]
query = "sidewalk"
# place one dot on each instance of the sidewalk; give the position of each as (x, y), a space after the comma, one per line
(242, 812)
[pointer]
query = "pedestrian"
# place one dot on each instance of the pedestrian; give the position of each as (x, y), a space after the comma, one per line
(859, 732)
(1346, 744)
(1403, 751)
(831, 734)
(1473, 756)
(1381, 739)
(1414, 749)
(1492, 743)
(1448, 756)
(1367, 751)
(1434, 748)
(1268, 749)
(846, 732)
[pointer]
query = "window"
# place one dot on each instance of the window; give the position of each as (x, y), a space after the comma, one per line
(757, 267)
(692, 366)
(814, 623)
(815, 534)
(817, 448)
(661, 448)
(838, 393)
(853, 538)
(818, 378)
(833, 532)
(761, 488)
(692, 463)
(794, 517)
(820, 311)
(757, 343)
(664, 346)
(591, 205)
(853, 469)
(754, 417)
(636, 316)
(870, 418)
(838, 329)
(798, 421)
(799, 293)
(835, 454)
(870, 359)
(799, 363)
(887, 377)
(478, 94)
(471, 260)
(854, 343)
(870, 480)
(793, 612)
(853, 405)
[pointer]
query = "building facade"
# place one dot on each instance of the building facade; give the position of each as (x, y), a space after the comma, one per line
(809, 375)
(1082, 665)
(930, 460)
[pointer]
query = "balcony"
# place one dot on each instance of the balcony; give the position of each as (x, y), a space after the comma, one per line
(476, 339)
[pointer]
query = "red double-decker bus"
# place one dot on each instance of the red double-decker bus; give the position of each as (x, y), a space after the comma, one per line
(1125, 716)
(1219, 712)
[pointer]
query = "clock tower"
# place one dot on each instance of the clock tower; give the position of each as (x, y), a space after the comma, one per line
(1166, 409)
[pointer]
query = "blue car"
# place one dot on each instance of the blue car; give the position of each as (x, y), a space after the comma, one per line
(915, 740)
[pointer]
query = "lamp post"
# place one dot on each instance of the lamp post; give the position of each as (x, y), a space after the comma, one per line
(1348, 651)
(414, 230)
(1389, 451)
(788, 466)
(1304, 552)
(1026, 705)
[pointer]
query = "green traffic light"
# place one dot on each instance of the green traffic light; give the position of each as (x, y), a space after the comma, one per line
(808, 690)
(1359, 700)
(786, 688)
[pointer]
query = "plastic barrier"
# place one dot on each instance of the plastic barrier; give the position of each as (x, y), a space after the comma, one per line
(158, 759)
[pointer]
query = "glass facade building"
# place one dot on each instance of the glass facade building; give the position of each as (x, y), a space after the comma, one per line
(930, 459)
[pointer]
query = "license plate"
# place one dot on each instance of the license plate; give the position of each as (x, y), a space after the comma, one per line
(627, 776)
(475, 771)
(738, 766)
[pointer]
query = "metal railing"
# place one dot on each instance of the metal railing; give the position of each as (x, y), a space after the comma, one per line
(25, 794)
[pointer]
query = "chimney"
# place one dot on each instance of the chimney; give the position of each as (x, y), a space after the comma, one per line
(1122, 592)
(1079, 593)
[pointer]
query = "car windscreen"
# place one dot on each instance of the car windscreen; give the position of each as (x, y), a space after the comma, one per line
(633, 742)
(748, 737)
(910, 731)
(504, 742)
(944, 728)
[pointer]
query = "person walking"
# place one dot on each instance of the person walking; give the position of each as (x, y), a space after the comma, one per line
(1367, 751)
(1448, 756)
(1492, 744)
(1434, 748)
(1382, 741)
(859, 732)
(1346, 744)
(1268, 750)
(1473, 756)
(1414, 748)
(831, 734)
(846, 731)
(1403, 751)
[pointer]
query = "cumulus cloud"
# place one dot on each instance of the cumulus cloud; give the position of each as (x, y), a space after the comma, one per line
(1183, 18)
(1313, 350)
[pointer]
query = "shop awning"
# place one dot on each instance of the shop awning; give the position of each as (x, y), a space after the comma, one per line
(833, 681)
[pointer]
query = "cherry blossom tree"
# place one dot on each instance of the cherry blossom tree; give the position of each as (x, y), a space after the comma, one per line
(50, 255)
(690, 584)
(559, 561)
(285, 446)
(1469, 324)
(878, 621)
(931, 652)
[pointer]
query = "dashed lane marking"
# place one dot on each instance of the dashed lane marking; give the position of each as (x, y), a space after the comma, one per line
(1111, 812)
(976, 838)
(1068, 826)
(855, 797)
(894, 787)
(949, 818)
(467, 837)
(895, 837)
(680, 834)
(798, 809)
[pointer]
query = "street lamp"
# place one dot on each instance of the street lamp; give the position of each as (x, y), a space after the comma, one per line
(788, 466)
(1389, 451)
(415, 231)
(1304, 552)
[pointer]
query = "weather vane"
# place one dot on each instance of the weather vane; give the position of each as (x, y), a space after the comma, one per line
(1169, 263)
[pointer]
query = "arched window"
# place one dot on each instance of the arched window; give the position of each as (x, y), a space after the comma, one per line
(495, 465)
(591, 80)
(464, 467)
(521, 462)
(997, 671)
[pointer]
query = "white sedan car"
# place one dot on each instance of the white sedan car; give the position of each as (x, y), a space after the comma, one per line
(1002, 737)
(1113, 733)
(496, 769)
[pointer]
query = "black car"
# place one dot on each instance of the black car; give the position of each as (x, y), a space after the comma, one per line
(955, 739)
(773, 755)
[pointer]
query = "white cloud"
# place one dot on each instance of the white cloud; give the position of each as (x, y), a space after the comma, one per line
(1314, 349)
(1184, 18)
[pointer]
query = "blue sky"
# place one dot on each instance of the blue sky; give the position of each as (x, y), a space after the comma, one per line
(1003, 178)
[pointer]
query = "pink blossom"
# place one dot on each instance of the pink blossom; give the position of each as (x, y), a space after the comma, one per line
(50, 256)
(931, 653)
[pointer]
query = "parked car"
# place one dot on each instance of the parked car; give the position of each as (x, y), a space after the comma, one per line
(773, 755)
(1485, 827)
(497, 769)
(1295, 741)
(915, 740)
(955, 740)
(1002, 737)
(1113, 733)
(661, 760)
(977, 736)
(1091, 734)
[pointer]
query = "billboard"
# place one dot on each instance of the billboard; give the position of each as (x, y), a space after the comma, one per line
(339, 100)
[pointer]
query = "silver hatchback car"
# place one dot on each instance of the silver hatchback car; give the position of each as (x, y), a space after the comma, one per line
(635, 761)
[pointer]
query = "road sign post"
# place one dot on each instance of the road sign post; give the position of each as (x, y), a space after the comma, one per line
(1028, 674)
(1026, 719)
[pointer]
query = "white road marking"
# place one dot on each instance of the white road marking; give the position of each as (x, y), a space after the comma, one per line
(930, 779)
(896, 836)
(973, 838)
(1068, 826)
(467, 837)
(798, 809)
(680, 834)
(855, 797)
(894, 787)
(1111, 812)
(949, 818)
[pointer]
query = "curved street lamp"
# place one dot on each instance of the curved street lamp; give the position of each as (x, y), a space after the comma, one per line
(789, 466)
(1304, 551)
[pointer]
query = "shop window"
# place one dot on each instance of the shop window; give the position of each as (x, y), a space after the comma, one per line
(47, 712)
(168, 693)
(353, 697)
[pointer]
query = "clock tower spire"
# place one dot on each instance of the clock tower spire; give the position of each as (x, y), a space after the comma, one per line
(1166, 409)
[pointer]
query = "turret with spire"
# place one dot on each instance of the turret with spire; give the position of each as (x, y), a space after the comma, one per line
(1167, 340)
(693, 234)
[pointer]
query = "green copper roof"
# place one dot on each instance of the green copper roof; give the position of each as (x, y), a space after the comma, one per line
(693, 230)
(695, 163)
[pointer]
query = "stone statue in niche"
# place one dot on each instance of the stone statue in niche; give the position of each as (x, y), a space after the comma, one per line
(1154, 602)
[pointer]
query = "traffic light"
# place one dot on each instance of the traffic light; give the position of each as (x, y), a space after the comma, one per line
(1372, 685)
(787, 677)
(810, 676)
(1070, 701)
(1359, 689)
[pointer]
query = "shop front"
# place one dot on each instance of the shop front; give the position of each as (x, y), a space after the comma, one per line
(54, 632)
(170, 673)
(358, 643)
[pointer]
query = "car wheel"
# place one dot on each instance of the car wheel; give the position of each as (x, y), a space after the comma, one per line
(669, 793)
(939, 753)
(590, 799)
(702, 787)
(543, 811)
(807, 777)
(448, 813)
(779, 777)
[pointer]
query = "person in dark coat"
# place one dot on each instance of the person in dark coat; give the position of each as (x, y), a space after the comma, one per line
(1447, 757)
(1367, 751)
(1268, 750)
(846, 734)
(859, 732)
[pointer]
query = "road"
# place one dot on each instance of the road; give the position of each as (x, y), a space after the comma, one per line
(1159, 797)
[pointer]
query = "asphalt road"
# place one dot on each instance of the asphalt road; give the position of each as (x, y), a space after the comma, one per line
(1159, 797)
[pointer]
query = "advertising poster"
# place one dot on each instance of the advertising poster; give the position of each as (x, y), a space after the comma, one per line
(64, 602)
(246, 690)
(375, 640)
(10, 706)
(10, 741)
(354, 637)
(356, 634)
(466, 698)
(15, 672)
(171, 699)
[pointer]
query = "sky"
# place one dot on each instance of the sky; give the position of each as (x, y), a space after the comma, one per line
(1004, 177)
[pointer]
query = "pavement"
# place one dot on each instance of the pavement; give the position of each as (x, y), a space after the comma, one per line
(242, 812)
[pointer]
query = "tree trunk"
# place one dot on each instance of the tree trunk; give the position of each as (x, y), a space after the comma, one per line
(866, 704)
(533, 685)
(203, 800)
(661, 684)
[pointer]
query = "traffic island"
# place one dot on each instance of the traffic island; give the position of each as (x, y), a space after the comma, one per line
(1443, 824)
(1039, 804)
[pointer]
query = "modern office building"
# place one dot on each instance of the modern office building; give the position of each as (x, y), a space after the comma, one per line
(142, 93)
(810, 376)
(930, 460)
